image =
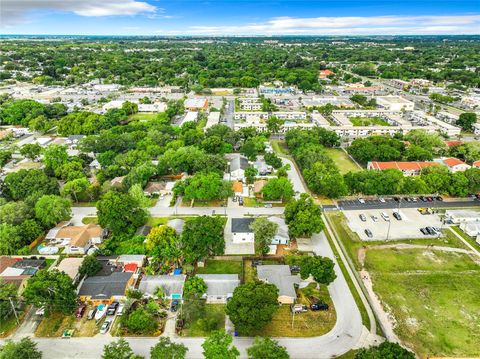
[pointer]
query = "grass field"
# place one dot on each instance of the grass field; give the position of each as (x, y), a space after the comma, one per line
(307, 324)
(433, 296)
(221, 267)
(368, 121)
(280, 147)
(213, 313)
(341, 159)
(469, 239)
(88, 220)
(54, 325)
(143, 116)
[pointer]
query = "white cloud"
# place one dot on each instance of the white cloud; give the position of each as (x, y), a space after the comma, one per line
(14, 11)
(352, 25)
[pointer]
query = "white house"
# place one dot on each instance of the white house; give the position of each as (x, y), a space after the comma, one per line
(458, 216)
(238, 164)
(77, 239)
(172, 285)
(241, 232)
(220, 287)
(453, 164)
(281, 236)
(395, 103)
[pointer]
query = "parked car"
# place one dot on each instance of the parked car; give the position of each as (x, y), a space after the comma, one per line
(423, 198)
(105, 326)
(91, 314)
(80, 311)
(397, 216)
(298, 308)
(397, 199)
(121, 307)
(385, 216)
(374, 218)
(430, 230)
(174, 306)
(369, 233)
(268, 205)
(112, 308)
(407, 199)
(429, 199)
(40, 311)
(382, 200)
(240, 201)
(319, 306)
(361, 200)
(424, 231)
(414, 199)
(363, 218)
(439, 198)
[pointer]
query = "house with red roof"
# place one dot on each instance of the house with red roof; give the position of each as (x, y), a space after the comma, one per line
(323, 74)
(407, 168)
(454, 164)
(453, 143)
(476, 164)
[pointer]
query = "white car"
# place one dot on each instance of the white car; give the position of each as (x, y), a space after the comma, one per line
(361, 200)
(40, 311)
(105, 326)
(382, 200)
(385, 216)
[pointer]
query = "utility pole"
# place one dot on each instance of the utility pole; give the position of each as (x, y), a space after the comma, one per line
(14, 311)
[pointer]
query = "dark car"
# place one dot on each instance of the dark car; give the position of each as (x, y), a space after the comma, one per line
(430, 230)
(91, 313)
(396, 199)
(369, 233)
(438, 198)
(112, 308)
(424, 231)
(294, 269)
(407, 199)
(319, 306)
(423, 199)
(80, 311)
(397, 216)
(429, 199)
(174, 305)
(363, 218)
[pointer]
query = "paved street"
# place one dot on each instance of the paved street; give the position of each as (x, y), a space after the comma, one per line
(390, 204)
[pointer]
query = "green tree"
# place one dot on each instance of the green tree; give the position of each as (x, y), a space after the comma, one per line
(266, 348)
(320, 268)
(274, 124)
(194, 287)
(219, 345)
(52, 289)
(206, 187)
(166, 349)
(10, 239)
(250, 173)
(130, 108)
(8, 292)
(54, 156)
(303, 217)
(90, 266)
(386, 350)
(120, 213)
(278, 189)
(119, 349)
(15, 213)
(164, 244)
(210, 229)
(51, 209)
(28, 183)
(141, 322)
(466, 121)
(264, 231)
(31, 150)
(136, 192)
(25, 348)
(75, 187)
(273, 160)
(252, 306)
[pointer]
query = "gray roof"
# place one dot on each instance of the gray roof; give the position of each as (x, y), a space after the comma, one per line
(29, 263)
(177, 224)
(242, 225)
(282, 229)
(281, 276)
(104, 287)
(238, 162)
(75, 137)
(171, 284)
(131, 258)
(220, 284)
(143, 231)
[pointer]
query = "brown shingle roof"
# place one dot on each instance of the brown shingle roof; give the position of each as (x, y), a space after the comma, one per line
(6, 262)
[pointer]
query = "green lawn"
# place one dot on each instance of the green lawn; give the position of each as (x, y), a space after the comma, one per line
(280, 147)
(221, 267)
(368, 121)
(434, 298)
(88, 220)
(213, 319)
(341, 159)
(143, 116)
(469, 239)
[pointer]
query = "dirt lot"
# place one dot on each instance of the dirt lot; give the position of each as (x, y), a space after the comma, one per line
(408, 227)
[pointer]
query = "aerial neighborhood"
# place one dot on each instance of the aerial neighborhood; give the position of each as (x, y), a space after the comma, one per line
(239, 197)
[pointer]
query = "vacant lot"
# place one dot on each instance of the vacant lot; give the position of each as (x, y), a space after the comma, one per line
(433, 296)
(341, 159)
(221, 267)
(309, 324)
(368, 121)
(212, 318)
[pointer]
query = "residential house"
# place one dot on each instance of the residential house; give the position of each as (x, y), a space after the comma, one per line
(258, 186)
(241, 232)
(172, 285)
(282, 278)
(154, 188)
(143, 231)
(407, 168)
(105, 288)
(237, 188)
(281, 236)
(73, 140)
(79, 239)
(117, 181)
(262, 168)
(70, 266)
(220, 287)
(17, 271)
(476, 164)
(196, 104)
(238, 164)
(323, 74)
(454, 164)
(95, 165)
(131, 262)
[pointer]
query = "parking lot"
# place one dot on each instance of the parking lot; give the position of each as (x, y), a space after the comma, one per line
(408, 227)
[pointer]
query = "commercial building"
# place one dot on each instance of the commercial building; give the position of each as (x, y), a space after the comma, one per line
(395, 103)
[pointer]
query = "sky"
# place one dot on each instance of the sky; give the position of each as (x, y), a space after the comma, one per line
(239, 17)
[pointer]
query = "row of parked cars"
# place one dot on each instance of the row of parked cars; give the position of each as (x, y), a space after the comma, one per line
(384, 215)
(430, 231)
(302, 308)
(408, 199)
